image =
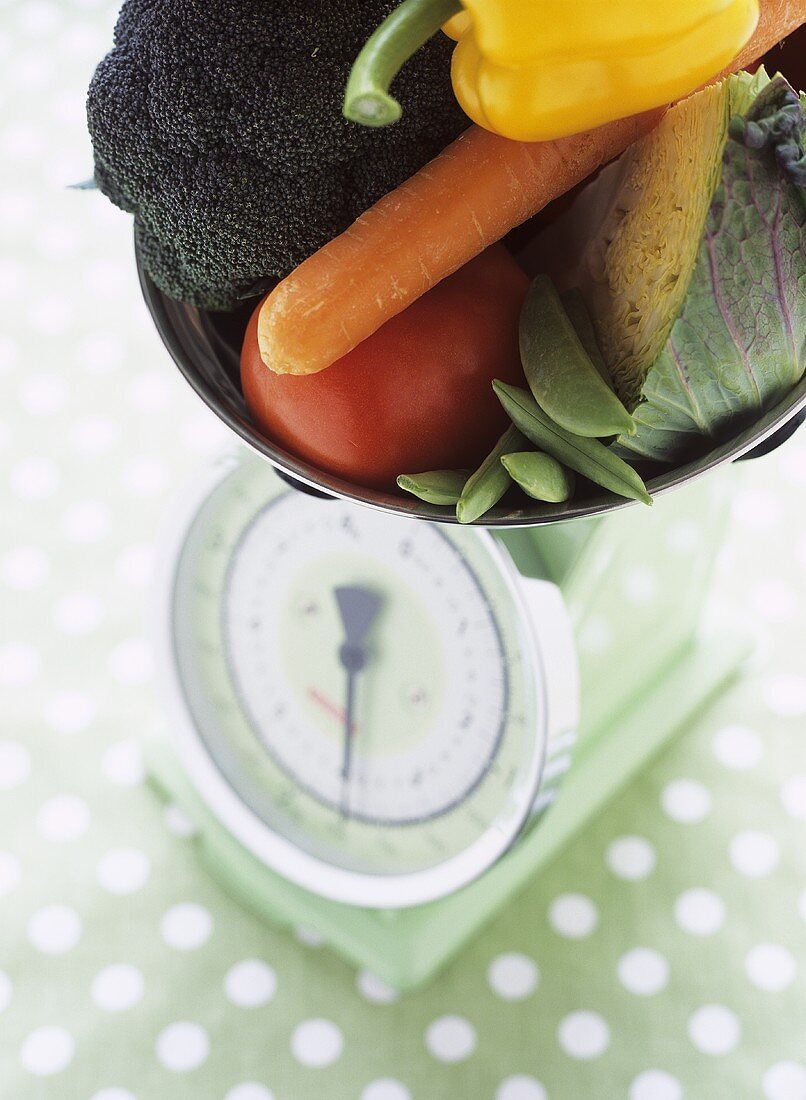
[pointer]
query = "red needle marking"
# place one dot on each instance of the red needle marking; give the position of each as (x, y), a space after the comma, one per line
(335, 712)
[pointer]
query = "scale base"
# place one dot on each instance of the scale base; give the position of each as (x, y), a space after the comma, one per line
(406, 948)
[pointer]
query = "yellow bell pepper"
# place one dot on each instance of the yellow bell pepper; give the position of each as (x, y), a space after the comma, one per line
(535, 70)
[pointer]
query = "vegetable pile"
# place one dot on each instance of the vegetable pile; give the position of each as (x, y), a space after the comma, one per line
(218, 124)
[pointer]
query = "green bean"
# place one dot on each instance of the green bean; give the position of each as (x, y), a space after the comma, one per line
(435, 486)
(564, 381)
(574, 305)
(488, 484)
(588, 457)
(539, 475)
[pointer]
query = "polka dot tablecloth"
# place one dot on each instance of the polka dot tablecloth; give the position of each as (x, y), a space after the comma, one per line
(661, 957)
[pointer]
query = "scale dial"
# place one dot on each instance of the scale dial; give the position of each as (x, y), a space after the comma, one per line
(359, 697)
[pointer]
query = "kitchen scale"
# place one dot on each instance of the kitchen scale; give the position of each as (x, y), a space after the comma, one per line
(371, 716)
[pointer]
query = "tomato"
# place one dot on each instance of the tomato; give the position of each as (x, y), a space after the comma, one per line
(414, 396)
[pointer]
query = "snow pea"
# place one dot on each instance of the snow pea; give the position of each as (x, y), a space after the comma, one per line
(574, 305)
(586, 456)
(488, 484)
(435, 486)
(560, 373)
(539, 475)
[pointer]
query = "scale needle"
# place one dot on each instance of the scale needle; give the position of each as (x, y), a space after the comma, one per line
(358, 609)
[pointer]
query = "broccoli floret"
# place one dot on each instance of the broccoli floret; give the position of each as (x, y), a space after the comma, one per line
(218, 124)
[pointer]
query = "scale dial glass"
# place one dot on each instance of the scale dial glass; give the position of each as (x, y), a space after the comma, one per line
(289, 615)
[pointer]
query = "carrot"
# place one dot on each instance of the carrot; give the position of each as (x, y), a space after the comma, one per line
(465, 199)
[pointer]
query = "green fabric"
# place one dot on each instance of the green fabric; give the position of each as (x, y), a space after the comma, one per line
(96, 431)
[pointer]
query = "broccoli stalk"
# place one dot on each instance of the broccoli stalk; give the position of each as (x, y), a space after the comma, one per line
(218, 124)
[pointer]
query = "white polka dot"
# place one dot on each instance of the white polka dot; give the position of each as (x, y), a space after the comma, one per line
(51, 315)
(450, 1038)
(15, 765)
(785, 695)
(20, 664)
(38, 17)
(134, 565)
(785, 1081)
(250, 983)
(774, 600)
(54, 929)
(643, 971)
(182, 1046)
(100, 353)
(130, 662)
(655, 1084)
(249, 1090)
(640, 584)
(317, 1043)
(14, 279)
(47, 1050)
(149, 392)
(123, 763)
(631, 858)
(78, 614)
(583, 1035)
(802, 905)
(86, 522)
(738, 747)
(686, 800)
(34, 478)
(63, 818)
(512, 976)
(684, 537)
(793, 796)
(308, 935)
(143, 477)
(95, 435)
(178, 821)
(70, 711)
(754, 853)
(699, 911)
(520, 1087)
(83, 39)
(186, 927)
(113, 1094)
(24, 568)
(714, 1029)
(105, 277)
(117, 987)
(770, 967)
(792, 464)
(57, 240)
(800, 549)
(10, 873)
(6, 991)
(43, 394)
(124, 871)
(204, 432)
(385, 1088)
(374, 989)
(16, 209)
(756, 509)
(21, 141)
(596, 635)
(573, 915)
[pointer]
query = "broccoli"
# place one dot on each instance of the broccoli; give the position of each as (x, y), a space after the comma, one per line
(218, 124)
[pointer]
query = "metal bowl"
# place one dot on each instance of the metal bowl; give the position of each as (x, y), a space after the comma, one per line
(206, 347)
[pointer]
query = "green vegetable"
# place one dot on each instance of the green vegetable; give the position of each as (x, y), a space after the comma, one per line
(588, 457)
(435, 486)
(560, 373)
(219, 125)
(405, 30)
(694, 266)
(540, 476)
(488, 484)
(574, 306)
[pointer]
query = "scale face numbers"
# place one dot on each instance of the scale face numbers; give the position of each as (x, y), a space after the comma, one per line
(359, 697)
